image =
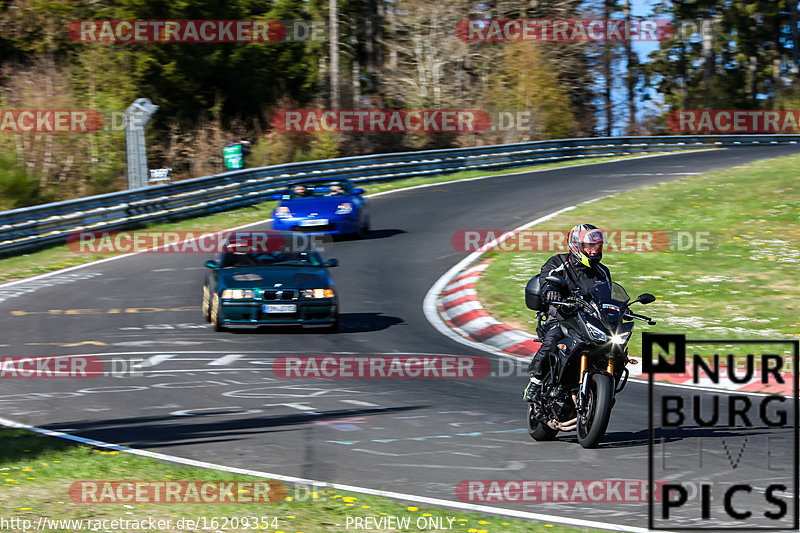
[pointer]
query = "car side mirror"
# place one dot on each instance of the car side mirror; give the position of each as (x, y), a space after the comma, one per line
(557, 280)
(277, 196)
(645, 298)
(212, 264)
(359, 191)
(331, 263)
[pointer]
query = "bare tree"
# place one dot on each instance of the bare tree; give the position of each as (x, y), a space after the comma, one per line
(608, 72)
(795, 37)
(632, 77)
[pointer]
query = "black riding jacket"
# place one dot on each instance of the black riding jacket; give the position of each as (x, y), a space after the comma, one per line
(579, 278)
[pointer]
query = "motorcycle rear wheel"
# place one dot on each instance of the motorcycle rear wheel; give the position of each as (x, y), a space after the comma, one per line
(537, 430)
(593, 425)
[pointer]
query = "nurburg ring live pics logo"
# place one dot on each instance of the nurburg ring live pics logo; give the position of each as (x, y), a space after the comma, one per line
(724, 446)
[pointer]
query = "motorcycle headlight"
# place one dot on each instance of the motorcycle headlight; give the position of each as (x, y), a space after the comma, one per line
(596, 333)
(317, 293)
(344, 209)
(620, 338)
(283, 212)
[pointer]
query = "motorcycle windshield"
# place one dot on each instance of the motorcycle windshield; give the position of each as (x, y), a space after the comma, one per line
(610, 299)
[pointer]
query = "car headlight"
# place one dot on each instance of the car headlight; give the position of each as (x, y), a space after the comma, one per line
(237, 294)
(344, 209)
(317, 293)
(620, 338)
(283, 212)
(596, 333)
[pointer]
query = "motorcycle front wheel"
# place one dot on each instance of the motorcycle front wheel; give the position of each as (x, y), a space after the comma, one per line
(593, 423)
(537, 430)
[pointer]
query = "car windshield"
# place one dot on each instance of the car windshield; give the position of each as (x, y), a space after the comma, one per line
(315, 189)
(261, 259)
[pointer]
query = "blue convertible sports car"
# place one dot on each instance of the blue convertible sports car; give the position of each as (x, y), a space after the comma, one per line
(322, 206)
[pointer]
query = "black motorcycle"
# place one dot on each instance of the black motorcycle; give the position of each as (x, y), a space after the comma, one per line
(590, 368)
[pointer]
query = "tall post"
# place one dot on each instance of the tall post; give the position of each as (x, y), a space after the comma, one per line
(136, 117)
(333, 22)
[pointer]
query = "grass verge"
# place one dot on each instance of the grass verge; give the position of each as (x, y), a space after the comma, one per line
(37, 472)
(743, 286)
(58, 257)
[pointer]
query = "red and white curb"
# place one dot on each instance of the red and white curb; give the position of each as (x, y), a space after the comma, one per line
(459, 306)
(461, 310)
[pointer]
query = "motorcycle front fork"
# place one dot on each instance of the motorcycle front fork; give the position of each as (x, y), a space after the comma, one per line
(583, 383)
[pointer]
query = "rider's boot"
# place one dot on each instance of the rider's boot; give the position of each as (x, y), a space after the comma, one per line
(532, 394)
(533, 389)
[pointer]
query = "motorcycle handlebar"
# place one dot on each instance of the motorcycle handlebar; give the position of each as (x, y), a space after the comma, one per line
(647, 319)
(567, 303)
(575, 302)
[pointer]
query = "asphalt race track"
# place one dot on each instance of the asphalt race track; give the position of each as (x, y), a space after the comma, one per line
(214, 397)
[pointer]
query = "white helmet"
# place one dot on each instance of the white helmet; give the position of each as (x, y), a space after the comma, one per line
(586, 244)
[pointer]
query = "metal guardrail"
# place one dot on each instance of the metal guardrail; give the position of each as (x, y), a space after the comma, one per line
(39, 226)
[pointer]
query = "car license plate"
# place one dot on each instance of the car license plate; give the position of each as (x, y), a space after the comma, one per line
(315, 222)
(279, 308)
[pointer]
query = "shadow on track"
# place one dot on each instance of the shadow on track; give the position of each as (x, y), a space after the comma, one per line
(166, 431)
(373, 234)
(382, 234)
(362, 322)
(628, 439)
(348, 323)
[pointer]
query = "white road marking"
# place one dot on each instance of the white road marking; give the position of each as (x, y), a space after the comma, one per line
(298, 406)
(226, 359)
(567, 520)
(154, 360)
(208, 370)
(359, 402)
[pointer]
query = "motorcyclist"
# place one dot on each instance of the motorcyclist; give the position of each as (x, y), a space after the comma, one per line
(581, 268)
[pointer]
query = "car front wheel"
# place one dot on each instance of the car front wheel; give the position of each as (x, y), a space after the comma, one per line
(216, 314)
(206, 305)
(363, 229)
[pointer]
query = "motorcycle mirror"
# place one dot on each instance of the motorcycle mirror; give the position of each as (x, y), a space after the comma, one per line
(558, 280)
(646, 298)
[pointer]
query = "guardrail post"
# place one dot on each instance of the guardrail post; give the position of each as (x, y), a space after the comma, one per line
(136, 116)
